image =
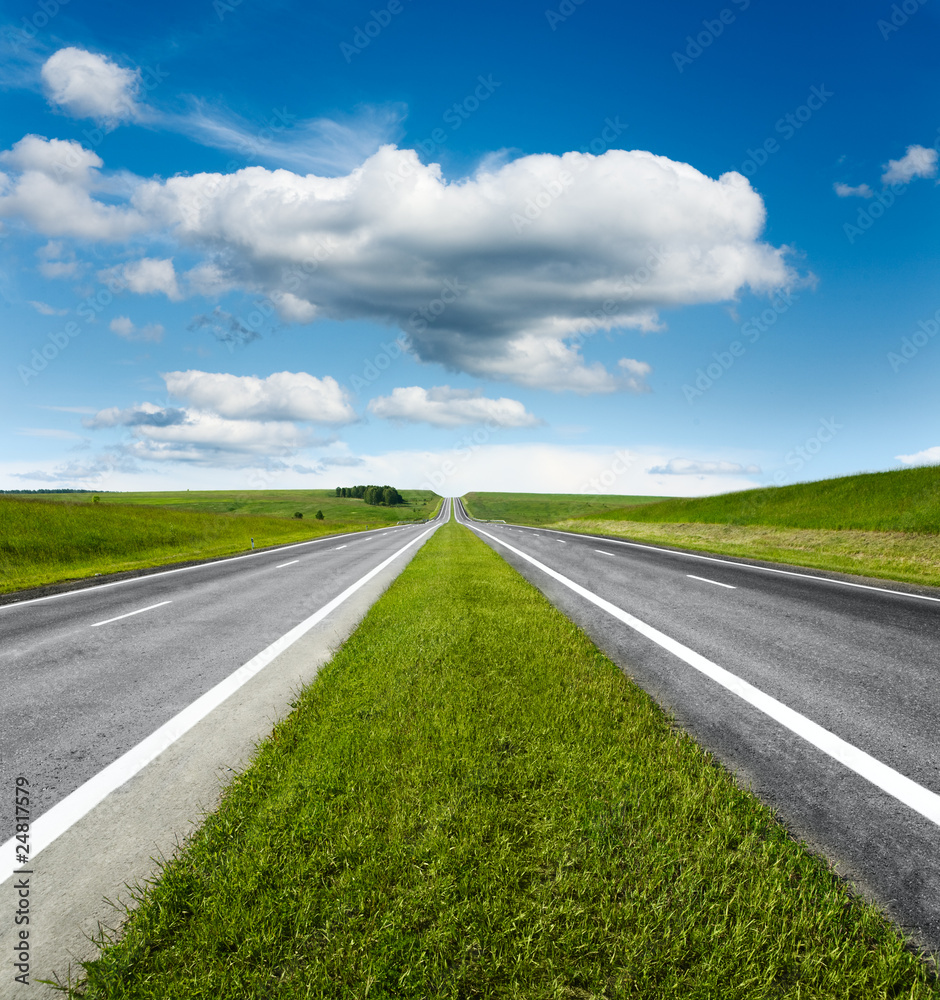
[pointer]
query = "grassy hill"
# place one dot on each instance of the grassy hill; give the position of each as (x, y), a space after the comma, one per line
(884, 525)
(542, 508)
(899, 500)
(70, 536)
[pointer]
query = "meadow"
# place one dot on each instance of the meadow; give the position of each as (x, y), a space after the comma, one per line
(61, 537)
(475, 802)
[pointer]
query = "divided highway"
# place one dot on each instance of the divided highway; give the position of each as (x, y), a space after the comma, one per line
(823, 697)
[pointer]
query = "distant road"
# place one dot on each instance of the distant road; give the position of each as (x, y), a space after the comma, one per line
(89, 674)
(764, 668)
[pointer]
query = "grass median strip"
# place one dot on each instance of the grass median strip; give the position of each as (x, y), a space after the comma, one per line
(472, 801)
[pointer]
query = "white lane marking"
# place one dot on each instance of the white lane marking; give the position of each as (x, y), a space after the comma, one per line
(183, 569)
(561, 541)
(603, 553)
(920, 799)
(750, 566)
(73, 807)
(139, 611)
(293, 562)
(705, 580)
(338, 547)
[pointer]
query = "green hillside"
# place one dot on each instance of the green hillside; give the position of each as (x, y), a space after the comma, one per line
(899, 500)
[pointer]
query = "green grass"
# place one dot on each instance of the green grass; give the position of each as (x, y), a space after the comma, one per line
(49, 540)
(274, 503)
(882, 525)
(543, 508)
(475, 802)
(899, 500)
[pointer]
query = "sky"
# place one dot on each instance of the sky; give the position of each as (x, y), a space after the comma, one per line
(582, 247)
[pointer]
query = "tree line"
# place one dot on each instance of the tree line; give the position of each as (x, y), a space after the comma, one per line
(374, 495)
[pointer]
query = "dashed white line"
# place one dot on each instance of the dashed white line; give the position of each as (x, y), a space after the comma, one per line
(338, 547)
(561, 541)
(139, 611)
(897, 785)
(692, 576)
(603, 553)
(291, 563)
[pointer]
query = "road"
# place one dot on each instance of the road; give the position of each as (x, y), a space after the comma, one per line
(847, 745)
(127, 705)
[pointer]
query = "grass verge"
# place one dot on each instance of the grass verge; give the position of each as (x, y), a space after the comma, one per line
(885, 555)
(474, 802)
(541, 508)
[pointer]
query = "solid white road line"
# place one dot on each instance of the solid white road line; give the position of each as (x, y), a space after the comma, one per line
(73, 807)
(706, 580)
(293, 562)
(139, 611)
(918, 798)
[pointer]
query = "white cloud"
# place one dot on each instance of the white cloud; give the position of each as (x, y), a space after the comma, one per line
(44, 309)
(918, 161)
(123, 327)
(86, 85)
(54, 187)
(148, 276)
(501, 275)
(688, 467)
(143, 414)
(846, 191)
(281, 396)
(929, 456)
(442, 406)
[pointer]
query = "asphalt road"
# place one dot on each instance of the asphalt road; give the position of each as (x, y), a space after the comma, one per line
(862, 664)
(89, 674)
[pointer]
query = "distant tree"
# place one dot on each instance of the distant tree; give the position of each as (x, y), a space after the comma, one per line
(298, 514)
(340, 491)
(319, 515)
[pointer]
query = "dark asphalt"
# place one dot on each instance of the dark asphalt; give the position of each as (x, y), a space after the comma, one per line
(76, 697)
(863, 664)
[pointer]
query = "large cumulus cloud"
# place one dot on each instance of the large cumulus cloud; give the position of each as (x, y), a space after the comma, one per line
(501, 275)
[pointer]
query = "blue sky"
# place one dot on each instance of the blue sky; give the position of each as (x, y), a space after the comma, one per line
(678, 249)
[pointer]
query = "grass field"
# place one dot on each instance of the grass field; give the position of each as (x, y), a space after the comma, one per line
(900, 500)
(475, 802)
(543, 508)
(58, 538)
